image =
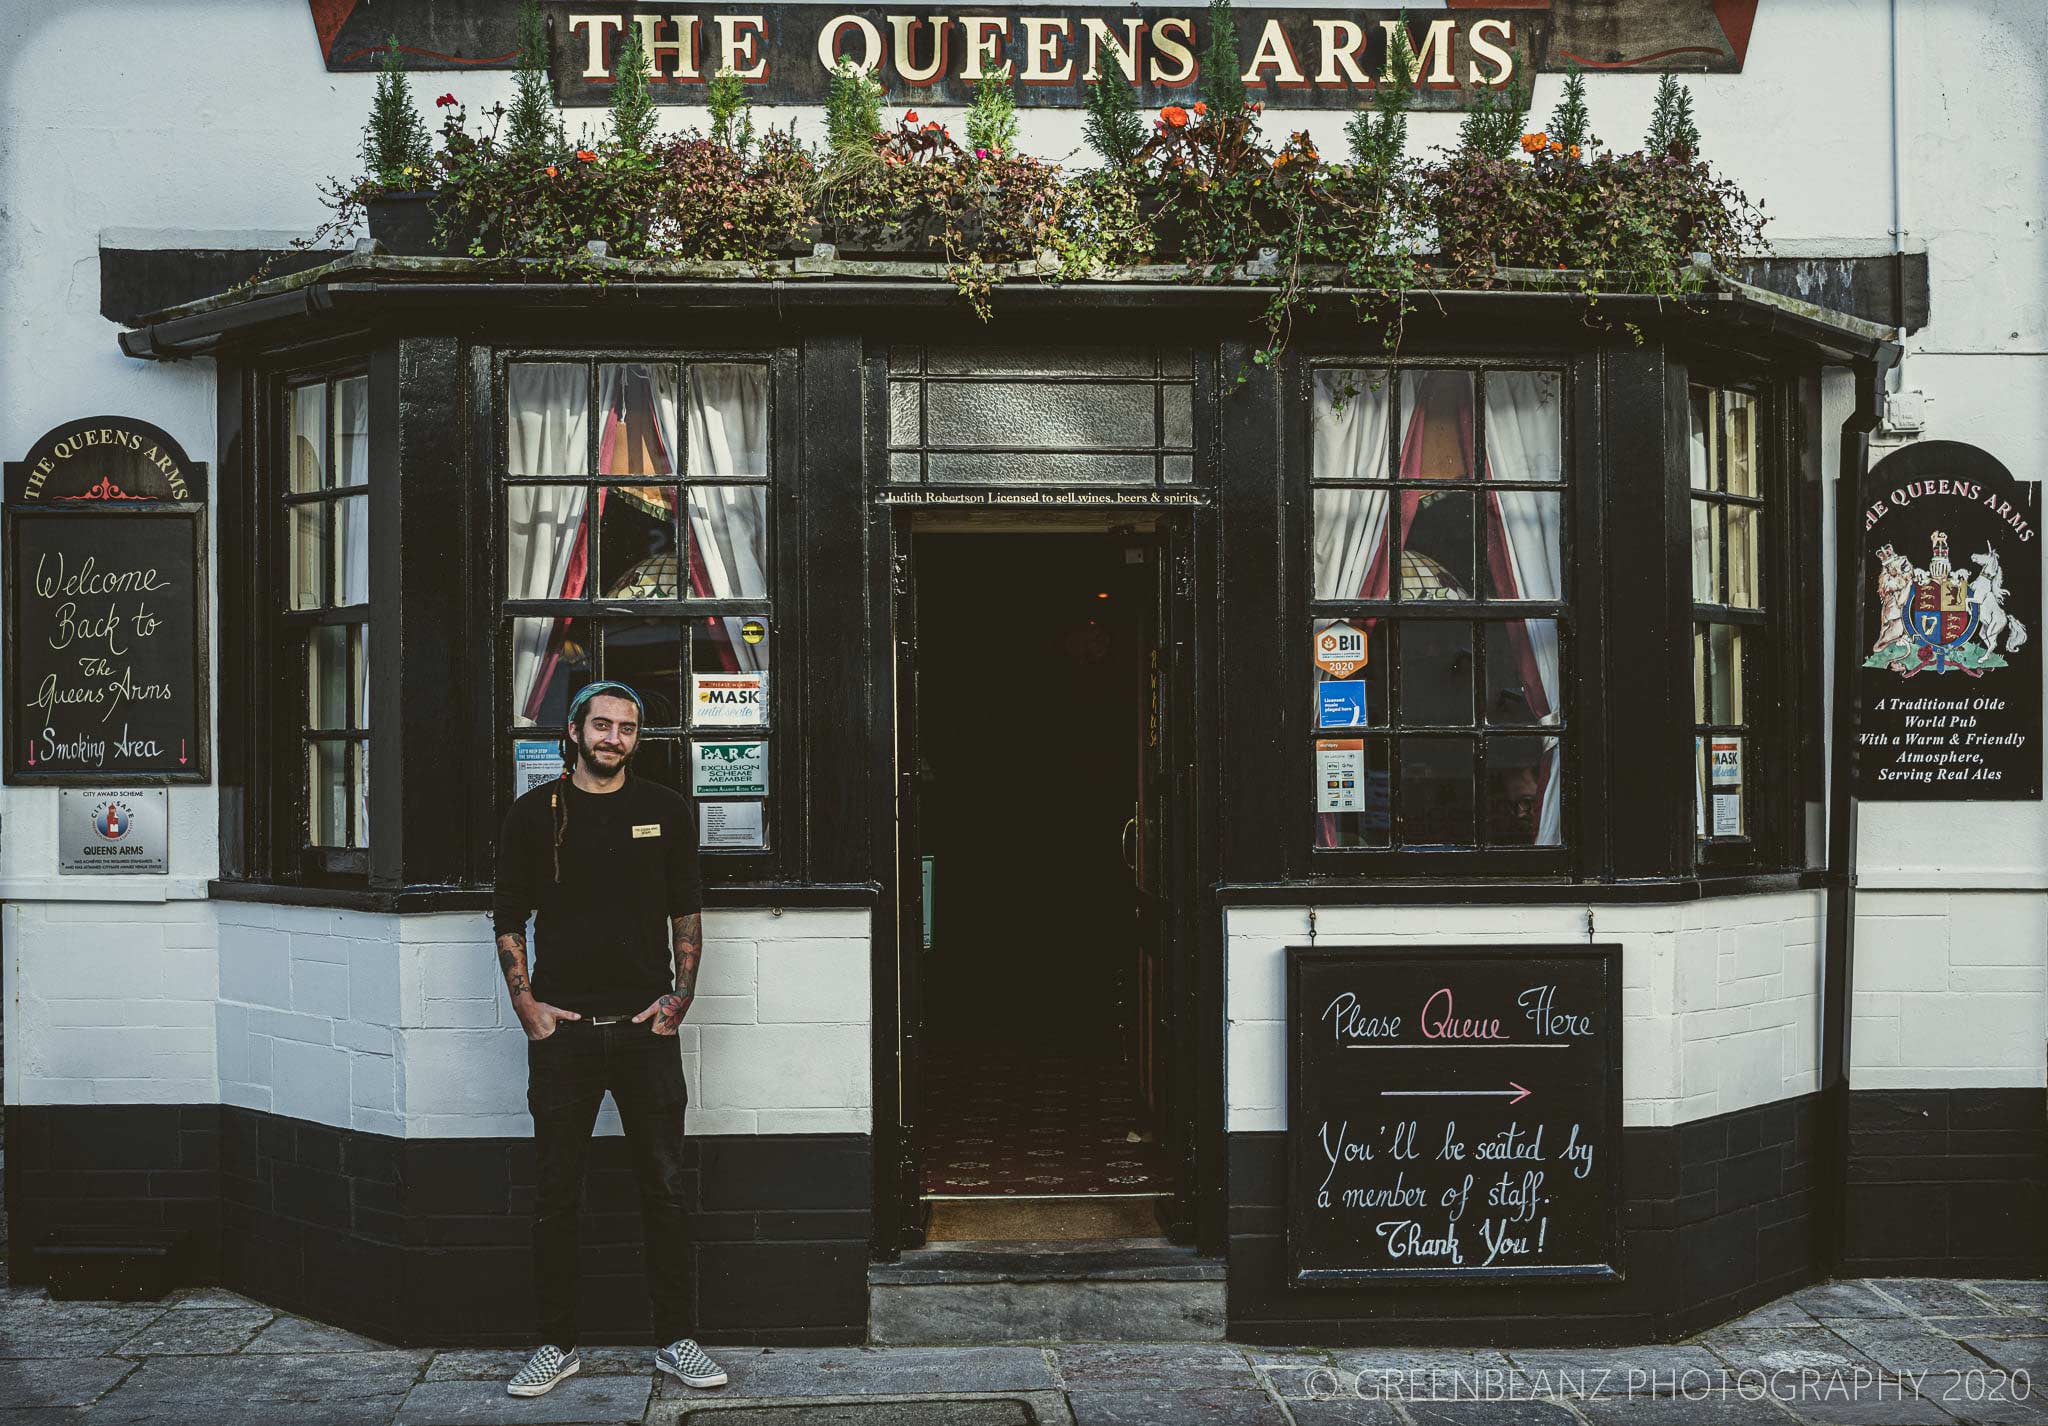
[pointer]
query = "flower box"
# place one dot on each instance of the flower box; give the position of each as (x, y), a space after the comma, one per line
(404, 222)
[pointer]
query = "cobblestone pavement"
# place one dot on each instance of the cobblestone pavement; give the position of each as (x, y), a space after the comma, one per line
(1877, 1351)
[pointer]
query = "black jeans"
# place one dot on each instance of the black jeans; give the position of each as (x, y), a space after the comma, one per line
(566, 1077)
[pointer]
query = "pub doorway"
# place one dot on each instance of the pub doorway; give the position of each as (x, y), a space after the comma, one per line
(1039, 1060)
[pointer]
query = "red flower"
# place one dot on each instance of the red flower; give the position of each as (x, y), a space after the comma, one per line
(1201, 109)
(911, 117)
(1175, 115)
(586, 155)
(444, 101)
(551, 171)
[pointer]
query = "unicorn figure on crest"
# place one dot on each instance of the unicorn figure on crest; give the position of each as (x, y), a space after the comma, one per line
(1987, 592)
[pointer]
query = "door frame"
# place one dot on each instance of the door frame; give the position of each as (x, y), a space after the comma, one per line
(1192, 923)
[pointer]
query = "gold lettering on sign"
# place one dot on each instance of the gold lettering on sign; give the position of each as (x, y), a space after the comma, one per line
(1173, 49)
(985, 36)
(1126, 49)
(683, 47)
(597, 25)
(739, 46)
(1503, 60)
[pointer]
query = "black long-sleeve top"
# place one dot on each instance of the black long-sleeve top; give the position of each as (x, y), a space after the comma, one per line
(626, 863)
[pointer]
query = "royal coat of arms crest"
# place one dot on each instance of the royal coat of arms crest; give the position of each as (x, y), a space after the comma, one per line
(1941, 619)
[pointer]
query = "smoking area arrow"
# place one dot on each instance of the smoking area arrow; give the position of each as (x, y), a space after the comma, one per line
(1517, 1091)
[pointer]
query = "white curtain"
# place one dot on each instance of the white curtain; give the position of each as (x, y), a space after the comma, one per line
(1351, 440)
(728, 437)
(547, 434)
(352, 456)
(1523, 442)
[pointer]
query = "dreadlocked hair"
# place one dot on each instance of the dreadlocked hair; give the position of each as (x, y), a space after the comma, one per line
(558, 807)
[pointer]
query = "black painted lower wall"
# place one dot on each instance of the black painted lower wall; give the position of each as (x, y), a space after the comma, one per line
(1948, 1183)
(425, 1241)
(1717, 1217)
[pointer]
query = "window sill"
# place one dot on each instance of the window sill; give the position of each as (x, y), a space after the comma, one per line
(1501, 893)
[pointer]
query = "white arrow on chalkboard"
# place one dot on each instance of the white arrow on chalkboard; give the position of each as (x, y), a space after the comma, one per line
(1517, 1091)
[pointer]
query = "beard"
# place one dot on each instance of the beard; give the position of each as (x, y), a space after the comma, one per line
(600, 762)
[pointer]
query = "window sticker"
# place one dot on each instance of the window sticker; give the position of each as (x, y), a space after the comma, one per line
(1340, 650)
(534, 764)
(729, 700)
(729, 769)
(1727, 814)
(1340, 774)
(1340, 703)
(1727, 762)
(729, 824)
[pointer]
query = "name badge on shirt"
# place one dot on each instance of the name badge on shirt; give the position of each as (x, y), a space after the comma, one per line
(647, 829)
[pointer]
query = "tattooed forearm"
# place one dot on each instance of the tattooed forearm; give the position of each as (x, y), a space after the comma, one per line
(512, 962)
(689, 940)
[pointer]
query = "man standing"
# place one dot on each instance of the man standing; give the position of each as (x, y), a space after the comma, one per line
(610, 862)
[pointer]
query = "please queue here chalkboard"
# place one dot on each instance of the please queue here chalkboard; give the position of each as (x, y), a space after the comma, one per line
(1454, 1113)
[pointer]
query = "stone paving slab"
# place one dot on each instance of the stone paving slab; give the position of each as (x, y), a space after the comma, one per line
(1198, 1406)
(1110, 1367)
(2016, 1354)
(2023, 1296)
(1618, 1371)
(1934, 1297)
(1344, 1411)
(33, 1327)
(197, 1297)
(1720, 1408)
(1490, 1413)
(579, 1400)
(352, 1389)
(298, 1334)
(1850, 1298)
(885, 1371)
(205, 1331)
(60, 1381)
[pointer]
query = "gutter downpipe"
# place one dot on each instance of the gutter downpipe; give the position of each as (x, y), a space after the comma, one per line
(1898, 196)
(1838, 965)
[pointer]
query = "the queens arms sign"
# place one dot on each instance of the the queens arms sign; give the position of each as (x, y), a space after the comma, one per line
(932, 53)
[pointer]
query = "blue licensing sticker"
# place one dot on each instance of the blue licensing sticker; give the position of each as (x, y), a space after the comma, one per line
(1341, 703)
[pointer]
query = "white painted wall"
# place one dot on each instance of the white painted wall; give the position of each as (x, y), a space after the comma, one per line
(1720, 1000)
(399, 1025)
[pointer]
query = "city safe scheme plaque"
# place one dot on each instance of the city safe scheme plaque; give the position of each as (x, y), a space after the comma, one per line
(1454, 1113)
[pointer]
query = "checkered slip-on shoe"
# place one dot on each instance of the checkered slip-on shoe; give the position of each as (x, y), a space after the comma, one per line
(544, 1371)
(685, 1361)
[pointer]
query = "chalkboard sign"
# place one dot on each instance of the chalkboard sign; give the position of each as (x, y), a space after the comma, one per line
(1948, 699)
(1454, 1113)
(106, 666)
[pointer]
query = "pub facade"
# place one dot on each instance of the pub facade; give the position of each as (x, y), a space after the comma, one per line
(1108, 748)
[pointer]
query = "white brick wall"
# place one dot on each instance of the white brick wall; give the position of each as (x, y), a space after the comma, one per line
(1720, 998)
(399, 1025)
(1951, 990)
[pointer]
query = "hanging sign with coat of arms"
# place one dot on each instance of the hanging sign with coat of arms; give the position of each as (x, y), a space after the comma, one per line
(1949, 695)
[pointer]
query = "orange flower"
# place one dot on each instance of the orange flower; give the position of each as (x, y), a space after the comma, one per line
(1533, 143)
(551, 171)
(1573, 150)
(1175, 115)
(586, 155)
(1556, 146)
(1200, 108)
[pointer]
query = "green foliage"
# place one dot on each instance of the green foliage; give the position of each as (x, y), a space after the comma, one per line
(632, 116)
(1494, 124)
(1569, 122)
(1671, 127)
(732, 112)
(1113, 126)
(397, 153)
(1379, 135)
(1222, 71)
(532, 128)
(853, 115)
(992, 116)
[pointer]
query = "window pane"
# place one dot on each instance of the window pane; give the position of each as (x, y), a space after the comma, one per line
(1524, 792)
(1726, 643)
(361, 684)
(1350, 425)
(307, 538)
(662, 760)
(1068, 416)
(1436, 425)
(1702, 436)
(1177, 407)
(1351, 792)
(1436, 549)
(729, 644)
(1436, 792)
(1340, 692)
(1706, 553)
(1040, 468)
(548, 405)
(352, 554)
(1743, 590)
(1351, 542)
(308, 437)
(1524, 544)
(1524, 438)
(1436, 673)
(550, 661)
(636, 433)
(1738, 414)
(327, 793)
(1700, 654)
(648, 654)
(1522, 672)
(1178, 470)
(637, 542)
(359, 751)
(905, 427)
(728, 542)
(905, 467)
(327, 677)
(1721, 775)
(352, 431)
(728, 420)
(546, 550)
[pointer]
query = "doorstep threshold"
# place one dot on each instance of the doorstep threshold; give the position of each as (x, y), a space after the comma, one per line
(1065, 1260)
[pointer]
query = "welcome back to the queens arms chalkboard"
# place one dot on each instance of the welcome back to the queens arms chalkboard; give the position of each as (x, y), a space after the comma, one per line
(1454, 1113)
